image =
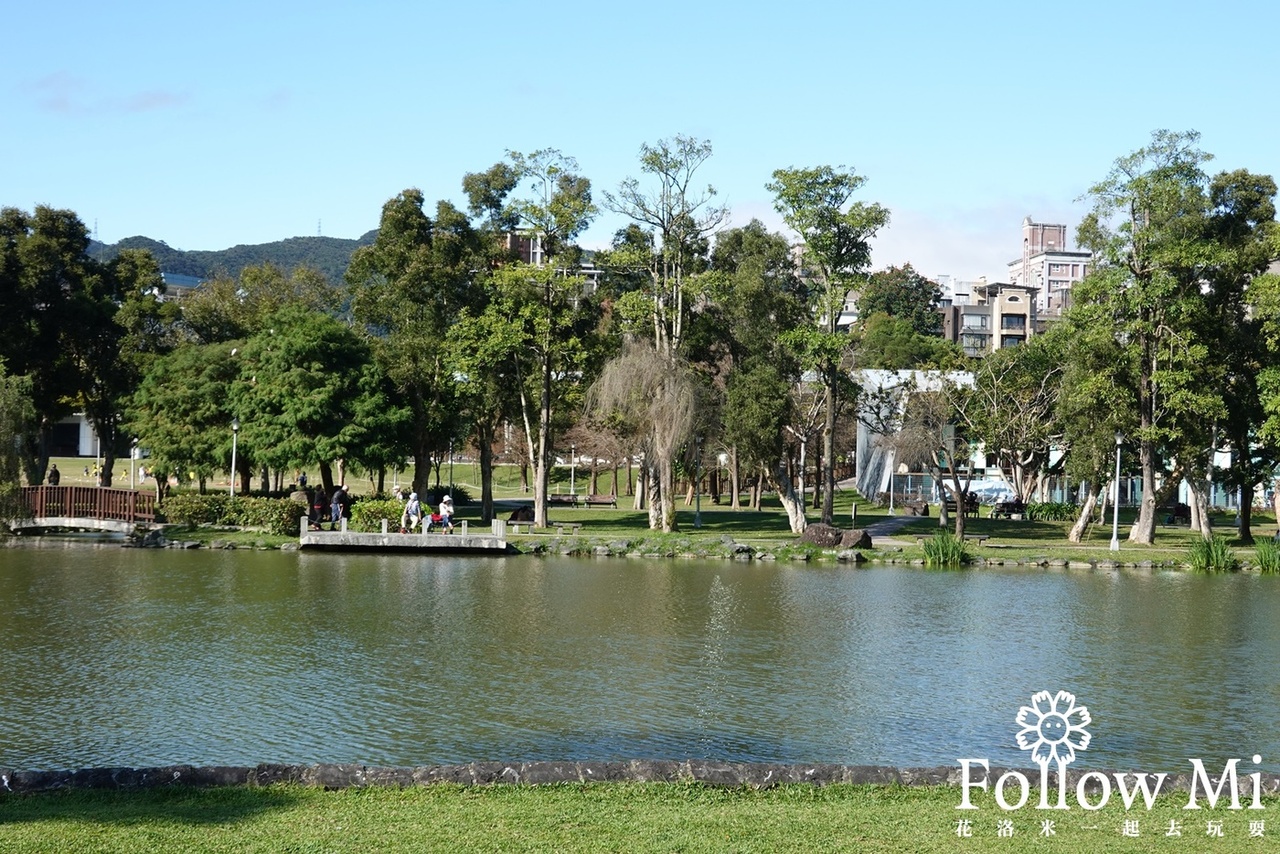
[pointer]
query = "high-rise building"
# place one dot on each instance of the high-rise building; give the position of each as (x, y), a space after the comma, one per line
(1047, 267)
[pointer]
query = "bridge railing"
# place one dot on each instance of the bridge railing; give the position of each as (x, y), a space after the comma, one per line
(89, 502)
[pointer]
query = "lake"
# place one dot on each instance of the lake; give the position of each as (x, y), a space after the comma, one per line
(126, 657)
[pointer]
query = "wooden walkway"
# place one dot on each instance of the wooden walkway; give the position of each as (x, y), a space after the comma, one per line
(461, 541)
(88, 507)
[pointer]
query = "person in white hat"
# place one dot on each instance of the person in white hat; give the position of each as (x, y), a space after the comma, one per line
(412, 514)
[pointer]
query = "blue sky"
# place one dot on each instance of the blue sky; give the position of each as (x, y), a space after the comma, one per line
(218, 124)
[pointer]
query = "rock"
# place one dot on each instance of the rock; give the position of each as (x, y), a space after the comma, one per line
(855, 539)
(822, 535)
(850, 556)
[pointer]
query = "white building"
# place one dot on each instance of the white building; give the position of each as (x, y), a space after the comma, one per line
(1048, 267)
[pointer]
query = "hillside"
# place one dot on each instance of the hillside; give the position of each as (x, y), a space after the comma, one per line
(329, 255)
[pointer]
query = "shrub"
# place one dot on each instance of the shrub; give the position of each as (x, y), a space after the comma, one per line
(1213, 555)
(1052, 511)
(945, 549)
(367, 514)
(1268, 554)
(275, 515)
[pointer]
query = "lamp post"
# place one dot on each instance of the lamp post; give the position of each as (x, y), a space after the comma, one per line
(235, 434)
(133, 462)
(1115, 506)
(573, 467)
(697, 482)
(891, 460)
(450, 468)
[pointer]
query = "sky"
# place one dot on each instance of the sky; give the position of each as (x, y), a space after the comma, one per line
(211, 125)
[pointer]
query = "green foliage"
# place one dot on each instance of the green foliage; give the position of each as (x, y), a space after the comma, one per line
(1213, 555)
(1052, 511)
(1267, 553)
(367, 514)
(275, 515)
(16, 417)
(905, 295)
(945, 549)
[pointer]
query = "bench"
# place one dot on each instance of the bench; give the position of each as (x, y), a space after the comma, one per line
(1008, 509)
(970, 505)
(573, 527)
(562, 500)
(599, 500)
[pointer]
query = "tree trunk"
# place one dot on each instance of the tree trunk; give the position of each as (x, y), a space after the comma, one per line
(735, 483)
(667, 494)
(1246, 515)
(793, 504)
(828, 448)
(1199, 489)
(1143, 530)
(1086, 511)
(485, 434)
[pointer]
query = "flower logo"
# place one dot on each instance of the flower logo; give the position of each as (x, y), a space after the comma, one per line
(1053, 728)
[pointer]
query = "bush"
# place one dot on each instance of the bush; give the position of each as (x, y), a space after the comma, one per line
(945, 549)
(1052, 511)
(275, 515)
(1213, 555)
(1268, 554)
(367, 514)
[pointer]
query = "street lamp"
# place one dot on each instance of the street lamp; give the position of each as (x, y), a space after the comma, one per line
(450, 468)
(235, 434)
(133, 462)
(697, 482)
(573, 468)
(1115, 507)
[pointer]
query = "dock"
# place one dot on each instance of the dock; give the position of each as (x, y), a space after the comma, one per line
(461, 541)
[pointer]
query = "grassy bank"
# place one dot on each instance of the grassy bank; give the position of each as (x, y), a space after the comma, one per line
(594, 817)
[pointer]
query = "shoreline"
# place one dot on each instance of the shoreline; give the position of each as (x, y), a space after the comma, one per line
(753, 775)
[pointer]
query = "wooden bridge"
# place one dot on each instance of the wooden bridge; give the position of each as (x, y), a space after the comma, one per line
(88, 507)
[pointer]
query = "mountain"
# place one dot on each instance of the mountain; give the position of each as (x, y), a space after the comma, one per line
(329, 255)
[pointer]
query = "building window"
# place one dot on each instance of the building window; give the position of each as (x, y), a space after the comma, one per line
(1013, 321)
(1011, 340)
(975, 321)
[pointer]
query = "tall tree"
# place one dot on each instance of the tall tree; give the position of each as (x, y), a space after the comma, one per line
(407, 289)
(680, 217)
(817, 204)
(904, 294)
(1146, 231)
(545, 310)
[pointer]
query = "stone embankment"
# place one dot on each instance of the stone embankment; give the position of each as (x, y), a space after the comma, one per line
(731, 774)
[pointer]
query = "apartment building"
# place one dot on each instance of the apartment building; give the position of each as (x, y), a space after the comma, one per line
(1047, 267)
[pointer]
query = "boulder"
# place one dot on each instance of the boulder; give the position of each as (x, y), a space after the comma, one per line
(824, 536)
(855, 539)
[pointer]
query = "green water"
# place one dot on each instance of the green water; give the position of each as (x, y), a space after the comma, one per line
(116, 656)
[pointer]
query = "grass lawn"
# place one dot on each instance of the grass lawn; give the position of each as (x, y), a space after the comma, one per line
(596, 817)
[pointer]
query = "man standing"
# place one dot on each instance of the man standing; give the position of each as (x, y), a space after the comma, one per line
(55, 476)
(339, 503)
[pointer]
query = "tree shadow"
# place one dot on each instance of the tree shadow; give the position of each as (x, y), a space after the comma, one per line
(175, 804)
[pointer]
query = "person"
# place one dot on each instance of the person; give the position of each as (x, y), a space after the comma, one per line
(446, 514)
(302, 480)
(412, 514)
(55, 476)
(318, 505)
(335, 508)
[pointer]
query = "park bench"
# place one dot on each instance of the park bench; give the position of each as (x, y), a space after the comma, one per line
(600, 500)
(1009, 509)
(562, 500)
(970, 505)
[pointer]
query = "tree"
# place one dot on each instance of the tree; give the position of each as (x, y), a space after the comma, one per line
(44, 273)
(1014, 406)
(298, 395)
(227, 309)
(182, 411)
(892, 343)
(407, 289)
(540, 316)
(680, 217)
(817, 205)
(16, 417)
(1146, 232)
(904, 294)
